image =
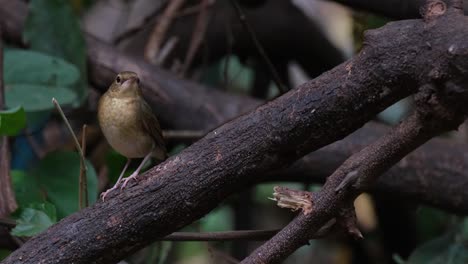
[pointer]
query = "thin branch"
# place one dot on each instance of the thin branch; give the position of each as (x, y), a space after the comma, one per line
(433, 116)
(198, 34)
(162, 25)
(282, 88)
(188, 185)
(7, 196)
(190, 10)
(169, 45)
(7, 222)
(238, 235)
(75, 139)
(83, 190)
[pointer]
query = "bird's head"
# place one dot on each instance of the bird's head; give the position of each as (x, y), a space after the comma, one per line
(126, 84)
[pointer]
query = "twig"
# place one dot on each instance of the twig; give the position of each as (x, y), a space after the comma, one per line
(7, 222)
(282, 88)
(166, 50)
(7, 196)
(162, 25)
(238, 235)
(83, 167)
(75, 139)
(433, 116)
(193, 9)
(197, 36)
(83, 191)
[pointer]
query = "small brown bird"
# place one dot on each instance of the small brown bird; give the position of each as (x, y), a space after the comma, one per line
(129, 125)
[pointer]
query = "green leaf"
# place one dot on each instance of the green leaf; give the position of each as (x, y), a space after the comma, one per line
(35, 219)
(57, 174)
(26, 189)
(52, 27)
(12, 121)
(32, 79)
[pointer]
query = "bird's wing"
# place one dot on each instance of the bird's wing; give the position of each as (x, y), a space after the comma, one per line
(151, 126)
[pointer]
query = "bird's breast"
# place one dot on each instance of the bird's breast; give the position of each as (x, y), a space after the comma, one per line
(120, 124)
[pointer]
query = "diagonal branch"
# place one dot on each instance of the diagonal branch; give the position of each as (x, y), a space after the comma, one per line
(192, 106)
(440, 108)
(358, 173)
(437, 165)
(190, 184)
(396, 58)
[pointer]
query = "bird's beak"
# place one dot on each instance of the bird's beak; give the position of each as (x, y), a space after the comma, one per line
(129, 82)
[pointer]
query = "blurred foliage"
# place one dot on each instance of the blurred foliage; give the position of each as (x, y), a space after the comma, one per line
(53, 28)
(35, 219)
(115, 163)
(12, 121)
(26, 189)
(451, 248)
(49, 191)
(32, 79)
(4, 253)
(57, 175)
(80, 5)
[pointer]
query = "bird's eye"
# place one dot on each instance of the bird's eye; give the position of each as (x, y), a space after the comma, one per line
(117, 79)
(138, 80)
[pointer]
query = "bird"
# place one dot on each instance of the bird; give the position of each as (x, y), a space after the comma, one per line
(129, 125)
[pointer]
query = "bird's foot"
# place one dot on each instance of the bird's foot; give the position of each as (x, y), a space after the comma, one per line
(129, 178)
(104, 194)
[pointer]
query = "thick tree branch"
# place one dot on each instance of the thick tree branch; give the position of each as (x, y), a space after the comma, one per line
(319, 112)
(444, 159)
(366, 165)
(396, 9)
(395, 59)
(438, 165)
(438, 110)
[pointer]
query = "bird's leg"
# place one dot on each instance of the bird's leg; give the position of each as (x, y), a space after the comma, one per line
(103, 195)
(137, 171)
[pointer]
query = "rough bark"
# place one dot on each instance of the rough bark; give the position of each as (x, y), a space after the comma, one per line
(396, 9)
(421, 176)
(439, 163)
(351, 178)
(395, 60)
(440, 108)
